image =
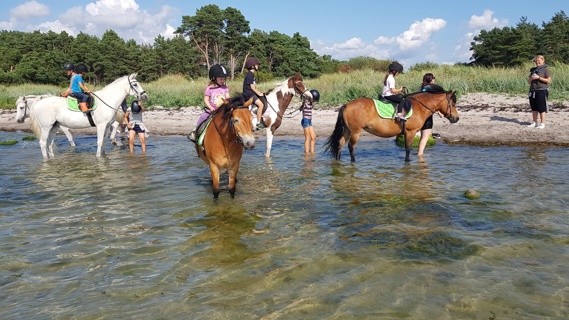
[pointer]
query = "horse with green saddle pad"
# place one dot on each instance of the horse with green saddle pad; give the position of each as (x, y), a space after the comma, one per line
(362, 114)
(387, 110)
(73, 104)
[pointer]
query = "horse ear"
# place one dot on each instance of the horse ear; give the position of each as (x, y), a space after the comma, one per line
(248, 102)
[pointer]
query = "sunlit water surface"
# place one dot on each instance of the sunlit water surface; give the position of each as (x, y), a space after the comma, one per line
(142, 237)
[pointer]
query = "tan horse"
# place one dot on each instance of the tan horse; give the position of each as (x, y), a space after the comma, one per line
(361, 114)
(229, 132)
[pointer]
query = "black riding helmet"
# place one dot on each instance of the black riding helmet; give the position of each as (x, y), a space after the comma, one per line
(68, 66)
(81, 68)
(396, 66)
(251, 62)
(315, 94)
(217, 71)
(135, 107)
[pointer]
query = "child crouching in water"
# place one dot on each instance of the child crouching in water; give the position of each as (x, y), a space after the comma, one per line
(306, 122)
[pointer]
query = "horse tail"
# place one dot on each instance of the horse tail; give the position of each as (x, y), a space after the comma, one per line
(332, 145)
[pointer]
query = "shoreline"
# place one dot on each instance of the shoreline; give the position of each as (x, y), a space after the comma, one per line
(485, 120)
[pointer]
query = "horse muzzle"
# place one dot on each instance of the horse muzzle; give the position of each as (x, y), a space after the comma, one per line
(248, 142)
(143, 96)
(453, 119)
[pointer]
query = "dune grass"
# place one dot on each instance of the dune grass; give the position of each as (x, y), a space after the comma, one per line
(176, 91)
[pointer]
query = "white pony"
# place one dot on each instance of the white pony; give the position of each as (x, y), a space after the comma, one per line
(278, 100)
(24, 107)
(52, 112)
(25, 104)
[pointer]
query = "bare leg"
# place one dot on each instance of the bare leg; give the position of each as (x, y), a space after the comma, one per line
(131, 134)
(542, 117)
(260, 106)
(425, 134)
(142, 137)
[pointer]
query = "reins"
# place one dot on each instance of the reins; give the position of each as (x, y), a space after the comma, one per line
(138, 95)
(217, 128)
(448, 97)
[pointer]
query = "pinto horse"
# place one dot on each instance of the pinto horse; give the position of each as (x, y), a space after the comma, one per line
(277, 101)
(229, 132)
(51, 113)
(361, 114)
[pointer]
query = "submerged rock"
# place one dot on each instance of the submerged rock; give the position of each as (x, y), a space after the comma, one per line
(472, 194)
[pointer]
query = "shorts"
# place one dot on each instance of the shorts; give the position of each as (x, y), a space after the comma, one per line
(538, 100)
(137, 129)
(305, 122)
(428, 123)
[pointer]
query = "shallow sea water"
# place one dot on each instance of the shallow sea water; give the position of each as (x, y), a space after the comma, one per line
(131, 236)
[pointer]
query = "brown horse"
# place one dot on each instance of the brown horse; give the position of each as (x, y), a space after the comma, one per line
(361, 114)
(277, 102)
(228, 133)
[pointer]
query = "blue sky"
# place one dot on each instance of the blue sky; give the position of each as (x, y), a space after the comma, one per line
(410, 31)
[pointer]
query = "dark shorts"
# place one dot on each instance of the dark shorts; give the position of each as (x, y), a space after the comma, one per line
(137, 129)
(428, 123)
(305, 122)
(538, 100)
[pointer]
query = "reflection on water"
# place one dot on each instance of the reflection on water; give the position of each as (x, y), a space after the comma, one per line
(132, 236)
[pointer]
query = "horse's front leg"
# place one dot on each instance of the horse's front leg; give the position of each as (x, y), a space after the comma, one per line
(44, 137)
(114, 128)
(233, 180)
(215, 179)
(269, 142)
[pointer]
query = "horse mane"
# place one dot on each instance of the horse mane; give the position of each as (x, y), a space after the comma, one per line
(296, 77)
(435, 88)
(227, 106)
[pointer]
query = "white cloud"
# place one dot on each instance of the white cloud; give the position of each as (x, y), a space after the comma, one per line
(30, 9)
(55, 26)
(123, 16)
(486, 21)
(419, 33)
(381, 40)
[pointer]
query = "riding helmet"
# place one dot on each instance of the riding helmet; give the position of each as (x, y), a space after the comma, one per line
(135, 107)
(217, 71)
(81, 68)
(396, 66)
(251, 62)
(315, 94)
(68, 66)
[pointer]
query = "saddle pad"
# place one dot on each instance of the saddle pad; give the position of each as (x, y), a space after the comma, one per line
(386, 110)
(73, 105)
(200, 133)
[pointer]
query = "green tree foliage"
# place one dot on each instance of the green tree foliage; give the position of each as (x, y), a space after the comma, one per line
(508, 47)
(205, 30)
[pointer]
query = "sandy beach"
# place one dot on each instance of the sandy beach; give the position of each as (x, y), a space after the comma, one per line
(485, 119)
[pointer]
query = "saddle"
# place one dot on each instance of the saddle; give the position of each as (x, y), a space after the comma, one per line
(200, 131)
(73, 104)
(387, 109)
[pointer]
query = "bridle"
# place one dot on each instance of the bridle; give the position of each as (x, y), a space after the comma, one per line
(237, 136)
(130, 83)
(296, 89)
(449, 96)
